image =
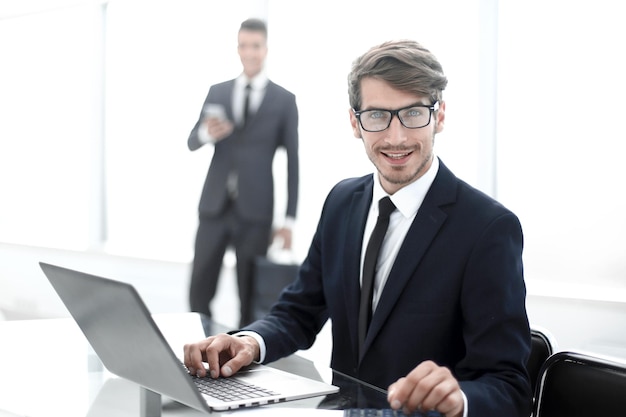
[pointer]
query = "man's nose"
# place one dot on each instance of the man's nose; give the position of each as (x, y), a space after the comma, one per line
(396, 132)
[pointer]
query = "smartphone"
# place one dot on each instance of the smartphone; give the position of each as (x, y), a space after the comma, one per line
(213, 110)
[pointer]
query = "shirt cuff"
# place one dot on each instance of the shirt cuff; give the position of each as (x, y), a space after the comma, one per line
(289, 222)
(259, 340)
(464, 404)
(203, 133)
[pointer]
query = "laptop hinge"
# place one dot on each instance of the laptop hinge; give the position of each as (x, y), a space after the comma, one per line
(150, 403)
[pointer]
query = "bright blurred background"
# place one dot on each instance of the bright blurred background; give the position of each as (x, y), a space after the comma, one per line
(97, 99)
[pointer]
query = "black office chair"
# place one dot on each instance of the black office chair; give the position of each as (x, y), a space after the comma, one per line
(581, 385)
(543, 345)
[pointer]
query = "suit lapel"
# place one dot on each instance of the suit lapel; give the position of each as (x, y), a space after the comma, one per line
(228, 100)
(355, 227)
(427, 223)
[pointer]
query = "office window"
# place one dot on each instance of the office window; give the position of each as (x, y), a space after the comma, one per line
(98, 103)
(162, 58)
(561, 137)
(159, 71)
(123, 85)
(49, 102)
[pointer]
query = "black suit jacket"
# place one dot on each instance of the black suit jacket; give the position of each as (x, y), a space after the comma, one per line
(250, 152)
(455, 295)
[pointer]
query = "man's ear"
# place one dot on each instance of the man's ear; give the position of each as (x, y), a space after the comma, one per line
(354, 122)
(440, 117)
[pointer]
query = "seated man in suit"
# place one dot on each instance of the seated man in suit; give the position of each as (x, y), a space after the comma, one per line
(445, 325)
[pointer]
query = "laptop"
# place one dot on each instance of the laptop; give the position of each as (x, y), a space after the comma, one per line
(122, 332)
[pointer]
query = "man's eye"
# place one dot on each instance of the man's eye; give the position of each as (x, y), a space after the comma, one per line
(412, 113)
(377, 114)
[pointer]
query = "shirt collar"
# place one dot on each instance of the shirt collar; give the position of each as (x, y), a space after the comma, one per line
(408, 199)
(258, 82)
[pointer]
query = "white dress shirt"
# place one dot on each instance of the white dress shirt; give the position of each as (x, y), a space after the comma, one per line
(407, 201)
(257, 93)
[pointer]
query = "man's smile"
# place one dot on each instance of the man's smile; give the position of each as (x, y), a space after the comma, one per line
(397, 156)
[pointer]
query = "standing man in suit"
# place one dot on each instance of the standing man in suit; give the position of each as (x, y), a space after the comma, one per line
(446, 327)
(246, 120)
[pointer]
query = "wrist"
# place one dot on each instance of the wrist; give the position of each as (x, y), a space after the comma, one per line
(254, 347)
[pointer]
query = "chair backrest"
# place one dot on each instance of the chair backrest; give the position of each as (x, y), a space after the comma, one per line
(543, 345)
(581, 385)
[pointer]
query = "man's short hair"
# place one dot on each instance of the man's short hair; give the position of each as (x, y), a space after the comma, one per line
(404, 64)
(254, 25)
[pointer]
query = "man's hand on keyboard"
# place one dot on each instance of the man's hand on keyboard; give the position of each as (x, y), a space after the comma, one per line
(427, 387)
(224, 354)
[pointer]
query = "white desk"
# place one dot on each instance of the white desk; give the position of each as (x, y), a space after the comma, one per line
(47, 368)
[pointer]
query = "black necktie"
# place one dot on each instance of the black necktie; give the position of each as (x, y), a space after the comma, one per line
(385, 208)
(246, 104)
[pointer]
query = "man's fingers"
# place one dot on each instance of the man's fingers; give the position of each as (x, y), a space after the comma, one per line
(451, 401)
(216, 352)
(427, 387)
(224, 354)
(218, 129)
(243, 352)
(409, 391)
(206, 350)
(193, 359)
(437, 387)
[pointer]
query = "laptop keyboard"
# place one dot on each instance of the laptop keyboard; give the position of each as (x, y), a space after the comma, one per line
(387, 412)
(229, 389)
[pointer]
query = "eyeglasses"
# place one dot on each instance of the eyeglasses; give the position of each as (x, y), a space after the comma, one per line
(412, 117)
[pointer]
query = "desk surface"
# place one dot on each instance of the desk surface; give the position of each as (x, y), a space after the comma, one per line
(47, 368)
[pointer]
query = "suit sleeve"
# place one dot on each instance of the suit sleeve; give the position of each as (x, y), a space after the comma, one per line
(194, 142)
(290, 142)
(295, 321)
(493, 372)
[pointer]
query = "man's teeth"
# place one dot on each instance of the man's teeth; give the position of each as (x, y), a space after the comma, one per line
(397, 155)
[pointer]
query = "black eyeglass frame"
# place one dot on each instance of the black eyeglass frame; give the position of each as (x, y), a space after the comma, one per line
(432, 108)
